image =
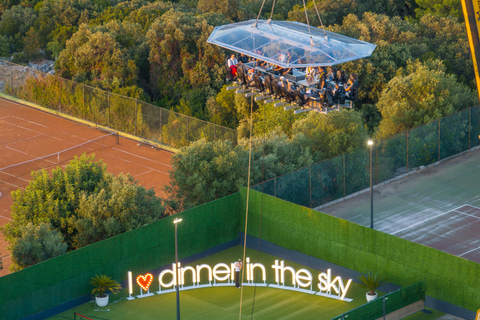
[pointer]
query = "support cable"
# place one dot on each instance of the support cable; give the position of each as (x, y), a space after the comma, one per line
(271, 13)
(261, 213)
(308, 24)
(318, 14)
(248, 197)
(258, 16)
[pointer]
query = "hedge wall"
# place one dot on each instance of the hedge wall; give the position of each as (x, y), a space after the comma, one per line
(448, 277)
(67, 277)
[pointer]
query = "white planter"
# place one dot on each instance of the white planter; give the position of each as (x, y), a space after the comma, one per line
(101, 301)
(371, 297)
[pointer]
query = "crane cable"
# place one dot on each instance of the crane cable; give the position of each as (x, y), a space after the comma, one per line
(248, 197)
(318, 15)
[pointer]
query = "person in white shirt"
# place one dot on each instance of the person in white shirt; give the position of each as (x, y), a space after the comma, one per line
(232, 64)
(238, 267)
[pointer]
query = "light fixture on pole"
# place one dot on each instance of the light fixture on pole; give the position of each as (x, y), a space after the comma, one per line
(177, 280)
(370, 143)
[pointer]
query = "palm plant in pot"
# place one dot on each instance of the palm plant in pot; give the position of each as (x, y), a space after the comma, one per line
(101, 284)
(371, 281)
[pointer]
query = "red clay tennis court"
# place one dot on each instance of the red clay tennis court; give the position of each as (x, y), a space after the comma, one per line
(27, 134)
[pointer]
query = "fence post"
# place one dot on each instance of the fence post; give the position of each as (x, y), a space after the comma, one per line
(11, 80)
(214, 132)
(344, 185)
(188, 141)
(161, 126)
(407, 149)
(84, 110)
(275, 187)
(35, 87)
(438, 139)
(310, 183)
(108, 105)
(469, 125)
(376, 174)
(136, 105)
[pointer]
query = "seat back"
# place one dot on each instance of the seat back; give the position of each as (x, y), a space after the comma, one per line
(299, 98)
(258, 82)
(241, 74)
(276, 89)
(268, 83)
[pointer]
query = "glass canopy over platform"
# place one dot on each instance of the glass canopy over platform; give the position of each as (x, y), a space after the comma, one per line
(288, 44)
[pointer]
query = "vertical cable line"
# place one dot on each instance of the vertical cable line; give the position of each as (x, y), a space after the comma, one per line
(248, 197)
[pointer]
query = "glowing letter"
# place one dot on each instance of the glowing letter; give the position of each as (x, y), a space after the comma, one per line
(303, 275)
(164, 272)
(344, 288)
(217, 273)
(277, 268)
(204, 266)
(182, 275)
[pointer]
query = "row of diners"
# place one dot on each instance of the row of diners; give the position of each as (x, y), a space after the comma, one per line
(309, 89)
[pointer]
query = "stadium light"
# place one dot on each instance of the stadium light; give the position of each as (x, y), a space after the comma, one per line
(177, 282)
(370, 143)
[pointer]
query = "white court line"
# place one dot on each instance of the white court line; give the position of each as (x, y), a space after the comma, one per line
(18, 151)
(461, 255)
(468, 214)
(38, 124)
(151, 169)
(11, 175)
(136, 155)
(143, 173)
(472, 206)
(421, 222)
(12, 184)
(6, 218)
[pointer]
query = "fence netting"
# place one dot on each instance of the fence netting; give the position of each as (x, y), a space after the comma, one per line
(343, 175)
(387, 304)
(107, 109)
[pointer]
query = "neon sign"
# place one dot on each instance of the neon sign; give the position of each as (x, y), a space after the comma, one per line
(222, 274)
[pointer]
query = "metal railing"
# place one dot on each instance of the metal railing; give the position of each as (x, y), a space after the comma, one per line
(332, 179)
(386, 304)
(107, 109)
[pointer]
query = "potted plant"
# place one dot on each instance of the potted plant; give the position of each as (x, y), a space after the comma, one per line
(371, 281)
(101, 284)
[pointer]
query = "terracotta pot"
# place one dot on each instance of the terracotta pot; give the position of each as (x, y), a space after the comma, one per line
(371, 297)
(101, 301)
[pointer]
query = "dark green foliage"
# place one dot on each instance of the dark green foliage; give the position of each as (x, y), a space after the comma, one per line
(82, 203)
(102, 284)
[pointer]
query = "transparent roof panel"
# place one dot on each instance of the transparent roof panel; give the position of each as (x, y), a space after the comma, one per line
(288, 44)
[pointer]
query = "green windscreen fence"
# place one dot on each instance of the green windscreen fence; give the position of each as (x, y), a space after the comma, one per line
(107, 109)
(389, 303)
(343, 175)
(64, 278)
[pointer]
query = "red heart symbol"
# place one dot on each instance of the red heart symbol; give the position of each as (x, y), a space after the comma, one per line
(145, 281)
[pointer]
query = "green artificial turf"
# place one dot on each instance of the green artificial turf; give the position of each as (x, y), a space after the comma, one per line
(224, 302)
(423, 316)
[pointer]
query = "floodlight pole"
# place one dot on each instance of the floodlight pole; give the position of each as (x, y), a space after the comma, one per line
(370, 143)
(177, 281)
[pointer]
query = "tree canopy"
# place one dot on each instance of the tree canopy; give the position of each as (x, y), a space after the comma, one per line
(73, 207)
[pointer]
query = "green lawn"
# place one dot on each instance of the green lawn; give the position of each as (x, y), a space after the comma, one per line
(224, 302)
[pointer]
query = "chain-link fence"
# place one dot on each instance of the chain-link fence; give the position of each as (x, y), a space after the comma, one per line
(107, 109)
(387, 304)
(345, 174)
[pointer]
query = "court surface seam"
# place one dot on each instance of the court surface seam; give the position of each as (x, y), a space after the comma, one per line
(424, 221)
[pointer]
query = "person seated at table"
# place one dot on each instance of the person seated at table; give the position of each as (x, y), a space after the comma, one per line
(250, 80)
(243, 58)
(351, 85)
(332, 74)
(310, 71)
(288, 59)
(322, 83)
(232, 64)
(341, 78)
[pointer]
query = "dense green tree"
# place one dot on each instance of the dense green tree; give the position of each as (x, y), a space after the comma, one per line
(422, 92)
(441, 8)
(36, 244)
(82, 202)
(15, 23)
(333, 133)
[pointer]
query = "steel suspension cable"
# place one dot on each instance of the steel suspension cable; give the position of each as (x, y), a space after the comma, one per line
(318, 14)
(308, 24)
(260, 12)
(248, 197)
(271, 13)
(261, 215)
